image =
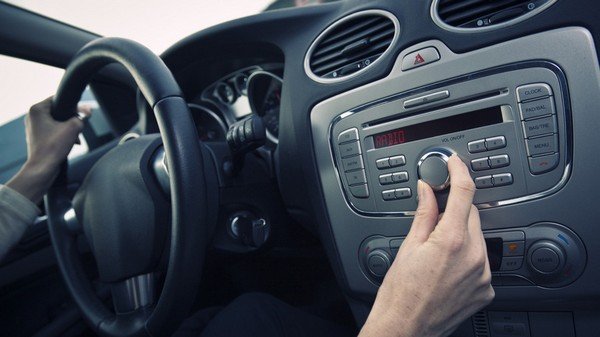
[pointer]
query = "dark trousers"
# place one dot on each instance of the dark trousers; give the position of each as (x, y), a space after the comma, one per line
(259, 315)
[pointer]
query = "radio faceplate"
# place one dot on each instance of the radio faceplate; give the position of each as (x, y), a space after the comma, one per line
(512, 134)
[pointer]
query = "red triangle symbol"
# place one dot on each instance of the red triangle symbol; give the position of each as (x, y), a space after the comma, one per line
(419, 59)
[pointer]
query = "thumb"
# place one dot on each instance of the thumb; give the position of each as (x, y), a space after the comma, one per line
(426, 216)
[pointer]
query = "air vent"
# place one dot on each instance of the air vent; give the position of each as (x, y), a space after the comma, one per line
(480, 324)
(350, 45)
(484, 14)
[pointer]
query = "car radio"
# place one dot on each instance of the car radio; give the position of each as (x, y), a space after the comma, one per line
(512, 134)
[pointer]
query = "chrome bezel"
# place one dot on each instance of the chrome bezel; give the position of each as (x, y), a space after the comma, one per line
(440, 23)
(324, 33)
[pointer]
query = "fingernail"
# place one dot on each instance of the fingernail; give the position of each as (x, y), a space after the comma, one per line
(420, 190)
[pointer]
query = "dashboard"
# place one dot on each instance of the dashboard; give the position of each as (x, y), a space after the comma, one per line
(361, 99)
(250, 90)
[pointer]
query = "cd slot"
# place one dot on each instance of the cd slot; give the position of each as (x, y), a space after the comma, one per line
(469, 99)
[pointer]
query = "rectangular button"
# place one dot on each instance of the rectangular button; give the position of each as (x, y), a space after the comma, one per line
(502, 179)
(420, 58)
(396, 161)
(508, 329)
(546, 144)
(386, 179)
(533, 91)
(499, 161)
(511, 263)
(348, 136)
(480, 164)
(538, 127)
(403, 193)
(356, 177)
(360, 191)
(543, 164)
(494, 143)
(477, 146)
(516, 248)
(388, 195)
(353, 163)
(383, 163)
(507, 236)
(484, 182)
(400, 177)
(350, 149)
(438, 96)
(537, 108)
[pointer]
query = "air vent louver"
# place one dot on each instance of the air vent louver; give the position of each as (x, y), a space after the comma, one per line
(486, 13)
(480, 324)
(351, 45)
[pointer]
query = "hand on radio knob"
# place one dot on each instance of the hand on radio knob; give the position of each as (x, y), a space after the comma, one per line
(441, 275)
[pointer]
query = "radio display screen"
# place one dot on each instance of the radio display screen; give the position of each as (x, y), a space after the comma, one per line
(442, 126)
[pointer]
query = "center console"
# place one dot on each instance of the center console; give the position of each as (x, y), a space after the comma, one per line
(522, 115)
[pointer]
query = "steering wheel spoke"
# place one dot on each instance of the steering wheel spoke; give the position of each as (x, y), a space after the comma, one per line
(133, 293)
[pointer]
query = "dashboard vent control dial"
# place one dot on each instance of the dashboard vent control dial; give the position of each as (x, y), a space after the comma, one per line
(433, 169)
(546, 258)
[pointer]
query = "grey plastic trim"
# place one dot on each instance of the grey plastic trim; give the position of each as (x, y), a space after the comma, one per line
(438, 21)
(320, 37)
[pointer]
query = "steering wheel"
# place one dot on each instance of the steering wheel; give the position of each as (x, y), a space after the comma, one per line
(122, 209)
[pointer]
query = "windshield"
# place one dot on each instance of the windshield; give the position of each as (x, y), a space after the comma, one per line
(157, 24)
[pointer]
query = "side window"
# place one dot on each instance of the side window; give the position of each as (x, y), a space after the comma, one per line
(22, 84)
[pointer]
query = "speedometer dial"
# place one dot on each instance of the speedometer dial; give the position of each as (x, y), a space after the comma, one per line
(264, 93)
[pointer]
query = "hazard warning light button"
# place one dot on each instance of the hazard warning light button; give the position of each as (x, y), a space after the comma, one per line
(420, 58)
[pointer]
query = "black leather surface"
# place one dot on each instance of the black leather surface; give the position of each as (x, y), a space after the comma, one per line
(188, 191)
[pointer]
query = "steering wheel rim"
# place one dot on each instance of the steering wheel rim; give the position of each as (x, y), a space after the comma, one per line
(187, 188)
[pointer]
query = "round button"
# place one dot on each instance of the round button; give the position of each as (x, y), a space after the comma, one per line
(378, 263)
(546, 258)
(433, 169)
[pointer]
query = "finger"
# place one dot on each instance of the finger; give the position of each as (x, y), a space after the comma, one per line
(41, 107)
(426, 216)
(462, 191)
(85, 111)
(75, 125)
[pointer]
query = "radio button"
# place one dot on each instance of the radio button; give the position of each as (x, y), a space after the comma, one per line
(540, 126)
(383, 163)
(533, 91)
(438, 96)
(356, 177)
(348, 136)
(536, 108)
(397, 161)
(477, 146)
(400, 177)
(360, 191)
(480, 164)
(388, 195)
(353, 163)
(350, 149)
(516, 248)
(403, 193)
(499, 161)
(502, 179)
(484, 182)
(543, 164)
(433, 169)
(494, 143)
(511, 263)
(386, 179)
(546, 144)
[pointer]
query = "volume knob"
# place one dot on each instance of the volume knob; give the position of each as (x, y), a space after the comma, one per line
(433, 169)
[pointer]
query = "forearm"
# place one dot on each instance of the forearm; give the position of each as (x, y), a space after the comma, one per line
(16, 213)
(33, 180)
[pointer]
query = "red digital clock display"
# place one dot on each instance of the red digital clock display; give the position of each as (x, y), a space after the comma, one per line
(391, 138)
